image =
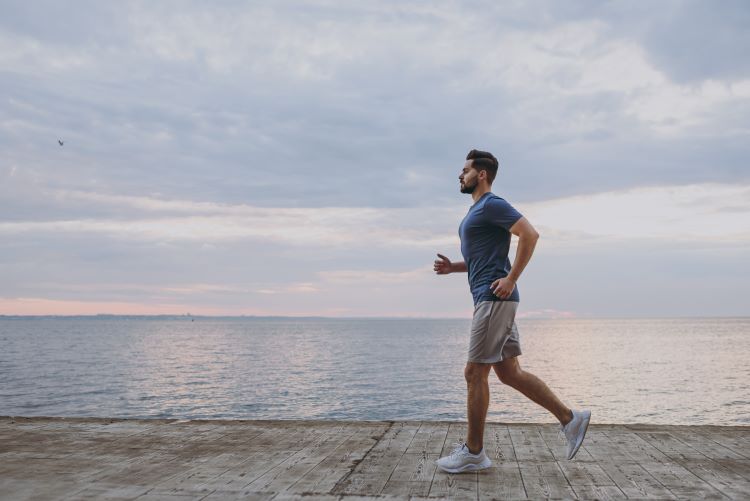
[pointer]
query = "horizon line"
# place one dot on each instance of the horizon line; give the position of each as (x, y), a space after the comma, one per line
(362, 317)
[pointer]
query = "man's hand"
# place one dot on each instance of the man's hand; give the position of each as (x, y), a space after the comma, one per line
(443, 266)
(503, 287)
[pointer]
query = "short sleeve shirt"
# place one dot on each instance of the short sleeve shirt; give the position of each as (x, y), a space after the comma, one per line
(485, 242)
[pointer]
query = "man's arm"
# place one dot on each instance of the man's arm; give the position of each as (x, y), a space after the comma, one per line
(443, 266)
(527, 237)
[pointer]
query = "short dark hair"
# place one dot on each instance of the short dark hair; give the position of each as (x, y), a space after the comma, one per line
(484, 160)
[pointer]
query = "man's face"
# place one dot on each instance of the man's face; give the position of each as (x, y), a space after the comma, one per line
(469, 178)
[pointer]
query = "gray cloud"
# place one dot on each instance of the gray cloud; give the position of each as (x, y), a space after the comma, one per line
(231, 103)
(318, 104)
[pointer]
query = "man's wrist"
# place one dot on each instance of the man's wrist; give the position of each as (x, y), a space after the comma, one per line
(514, 280)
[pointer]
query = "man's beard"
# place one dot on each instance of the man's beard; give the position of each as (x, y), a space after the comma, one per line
(465, 188)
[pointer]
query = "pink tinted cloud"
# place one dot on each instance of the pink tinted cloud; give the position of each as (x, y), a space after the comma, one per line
(43, 306)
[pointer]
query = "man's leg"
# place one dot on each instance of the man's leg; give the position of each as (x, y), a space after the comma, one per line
(477, 402)
(509, 371)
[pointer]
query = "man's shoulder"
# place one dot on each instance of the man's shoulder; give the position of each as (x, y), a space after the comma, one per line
(495, 201)
(494, 197)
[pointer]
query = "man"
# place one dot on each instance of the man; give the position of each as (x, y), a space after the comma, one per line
(485, 240)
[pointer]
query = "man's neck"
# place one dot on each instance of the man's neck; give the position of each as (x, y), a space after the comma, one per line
(479, 192)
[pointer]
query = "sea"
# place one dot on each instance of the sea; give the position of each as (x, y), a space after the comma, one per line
(691, 371)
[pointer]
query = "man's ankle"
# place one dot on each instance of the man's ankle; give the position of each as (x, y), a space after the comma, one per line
(474, 450)
(568, 418)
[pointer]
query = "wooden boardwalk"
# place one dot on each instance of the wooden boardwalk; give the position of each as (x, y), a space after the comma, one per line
(118, 459)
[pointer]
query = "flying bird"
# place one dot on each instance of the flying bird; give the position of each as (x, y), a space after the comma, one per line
(59, 141)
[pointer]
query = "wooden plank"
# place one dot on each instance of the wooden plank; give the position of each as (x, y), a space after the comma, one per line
(150, 469)
(341, 462)
(33, 489)
(459, 486)
(599, 492)
(203, 474)
(502, 481)
(681, 481)
(196, 479)
(545, 480)
(634, 481)
(628, 446)
(156, 494)
(373, 472)
(457, 433)
(415, 468)
(290, 496)
(291, 470)
(708, 446)
(398, 438)
(412, 475)
(246, 495)
(735, 439)
(580, 473)
(731, 483)
(281, 440)
(739, 467)
(528, 444)
(242, 476)
(109, 492)
(672, 474)
(406, 488)
(429, 439)
(498, 444)
(671, 447)
(371, 475)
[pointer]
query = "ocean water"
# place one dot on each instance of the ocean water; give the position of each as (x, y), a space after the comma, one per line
(663, 371)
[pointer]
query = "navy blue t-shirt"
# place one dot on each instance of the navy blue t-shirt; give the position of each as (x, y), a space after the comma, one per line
(485, 241)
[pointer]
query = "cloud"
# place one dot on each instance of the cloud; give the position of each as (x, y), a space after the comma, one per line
(546, 313)
(237, 154)
(677, 214)
(230, 103)
(689, 213)
(47, 306)
(379, 277)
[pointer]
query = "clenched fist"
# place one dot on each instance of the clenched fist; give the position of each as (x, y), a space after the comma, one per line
(443, 266)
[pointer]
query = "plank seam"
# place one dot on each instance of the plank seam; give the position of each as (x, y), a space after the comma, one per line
(359, 461)
(333, 451)
(421, 423)
(665, 455)
(557, 463)
(518, 464)
(432, 480)
(719, 444)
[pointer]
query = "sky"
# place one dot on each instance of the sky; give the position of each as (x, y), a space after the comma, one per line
(302, 158)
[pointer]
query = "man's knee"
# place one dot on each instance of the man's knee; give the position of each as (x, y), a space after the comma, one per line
(508, 371)
(476, 373)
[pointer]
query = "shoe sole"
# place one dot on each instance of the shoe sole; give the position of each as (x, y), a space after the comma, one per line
(583, 435)
(468, 467)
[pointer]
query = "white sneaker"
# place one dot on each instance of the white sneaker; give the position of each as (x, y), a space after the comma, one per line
(575, 430)
(461, 460)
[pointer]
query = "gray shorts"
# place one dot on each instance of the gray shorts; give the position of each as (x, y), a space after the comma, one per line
(494, 334)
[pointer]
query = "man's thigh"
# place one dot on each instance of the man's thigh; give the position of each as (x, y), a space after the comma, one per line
(494, 334)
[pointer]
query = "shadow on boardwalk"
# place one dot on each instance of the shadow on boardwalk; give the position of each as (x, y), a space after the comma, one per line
(118, 459)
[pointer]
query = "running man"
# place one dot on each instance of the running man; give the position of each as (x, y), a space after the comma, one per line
(485, 240)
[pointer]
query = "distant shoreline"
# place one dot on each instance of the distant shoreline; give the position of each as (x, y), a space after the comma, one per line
(292, 317)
